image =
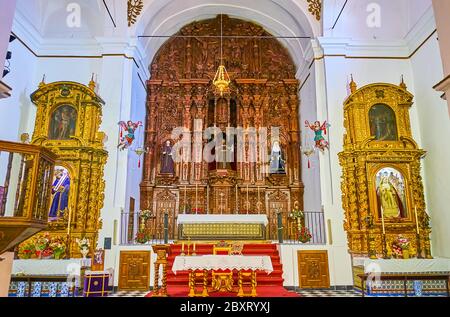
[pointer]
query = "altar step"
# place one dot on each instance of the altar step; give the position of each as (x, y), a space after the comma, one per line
(263, 279)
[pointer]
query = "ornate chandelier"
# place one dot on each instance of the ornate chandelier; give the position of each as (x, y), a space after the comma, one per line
(221, 80)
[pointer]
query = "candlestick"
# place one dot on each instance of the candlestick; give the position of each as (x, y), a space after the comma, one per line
(182, 246)
(69, 221)
(196, 189)
(185, 202)
(382, 222)
(207, 198)
(237, 201)
(417, 220)
(258, 204)
(193, 249)
(248, 202)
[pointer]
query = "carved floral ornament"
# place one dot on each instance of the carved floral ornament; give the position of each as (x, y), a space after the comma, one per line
(134, 10)
(315, 7)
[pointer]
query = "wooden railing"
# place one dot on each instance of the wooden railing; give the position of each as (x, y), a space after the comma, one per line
(26, 175)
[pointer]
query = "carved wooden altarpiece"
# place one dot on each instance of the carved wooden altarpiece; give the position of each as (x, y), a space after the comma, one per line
(381, 182)
(263, 94)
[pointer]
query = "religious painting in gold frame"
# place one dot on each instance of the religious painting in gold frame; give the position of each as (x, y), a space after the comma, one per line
(383, 122)
(389, 193)
(63, 122)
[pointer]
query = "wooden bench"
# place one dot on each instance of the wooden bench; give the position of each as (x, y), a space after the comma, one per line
(405, 278)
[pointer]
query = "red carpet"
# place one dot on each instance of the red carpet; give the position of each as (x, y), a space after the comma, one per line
(262, 291)
(269, 285)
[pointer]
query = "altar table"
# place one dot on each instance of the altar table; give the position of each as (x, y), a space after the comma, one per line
(404, 266)
(49, 267)
(208, 263)
(402, 276)
(40, 278)
(225, 227)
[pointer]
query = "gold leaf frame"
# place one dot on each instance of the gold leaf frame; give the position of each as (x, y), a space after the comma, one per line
(363, 156)
(372, 171)
(83, 155)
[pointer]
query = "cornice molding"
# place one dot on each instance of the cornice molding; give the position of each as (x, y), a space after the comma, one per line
(421, 31)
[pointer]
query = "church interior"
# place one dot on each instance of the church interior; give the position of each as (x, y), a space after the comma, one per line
(209, 148)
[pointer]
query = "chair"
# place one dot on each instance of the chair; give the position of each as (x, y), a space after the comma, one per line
(222, 281)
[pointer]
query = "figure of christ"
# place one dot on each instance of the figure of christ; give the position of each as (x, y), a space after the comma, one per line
(225, 156)
(60, 194)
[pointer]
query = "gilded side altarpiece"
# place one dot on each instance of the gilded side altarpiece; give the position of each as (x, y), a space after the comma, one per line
(382, 188)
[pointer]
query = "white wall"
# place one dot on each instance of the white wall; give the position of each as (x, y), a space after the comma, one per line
(17, 111)
(308, 111)
(434, 129)
(6, 19)
(138, 113)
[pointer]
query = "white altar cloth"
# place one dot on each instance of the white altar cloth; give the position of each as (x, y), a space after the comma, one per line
(222, 262)
(404, 266)
(259, 219)
(49, 267)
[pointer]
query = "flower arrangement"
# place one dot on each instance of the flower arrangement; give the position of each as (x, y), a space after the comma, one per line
(401, 246)
(43, 246)
(146, 214)
(84, 245)
(304, 235)
(59, 247)
(27, 249)
(142, 237)
(197, 210)
(297, 214)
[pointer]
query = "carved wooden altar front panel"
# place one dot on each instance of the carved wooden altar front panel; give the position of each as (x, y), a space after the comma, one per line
(263, 94)
(134, 270)
(313, 270)
(382, 190)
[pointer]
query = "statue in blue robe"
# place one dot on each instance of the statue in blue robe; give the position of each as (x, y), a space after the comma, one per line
(60, 194)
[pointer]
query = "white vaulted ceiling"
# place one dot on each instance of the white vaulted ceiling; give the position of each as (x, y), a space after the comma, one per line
(397, 18)
(279, 17)
(284, 18)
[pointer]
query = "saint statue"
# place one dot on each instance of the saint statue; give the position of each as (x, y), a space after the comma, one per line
(129, 128)
(319, 129)
(225, 156)
(389, 199)
(277, 162)
(60, 194)
(167, 164)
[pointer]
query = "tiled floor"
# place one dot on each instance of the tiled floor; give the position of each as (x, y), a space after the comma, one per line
(329, 293)
(129, 294)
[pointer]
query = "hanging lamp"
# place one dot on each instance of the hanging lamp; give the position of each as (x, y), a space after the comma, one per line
(221, 80)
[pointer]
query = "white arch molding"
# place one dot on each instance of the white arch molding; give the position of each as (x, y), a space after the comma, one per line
(278, 17)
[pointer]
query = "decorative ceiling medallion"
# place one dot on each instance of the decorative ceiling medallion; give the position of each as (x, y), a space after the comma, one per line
(134, 10)
(315, 7)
